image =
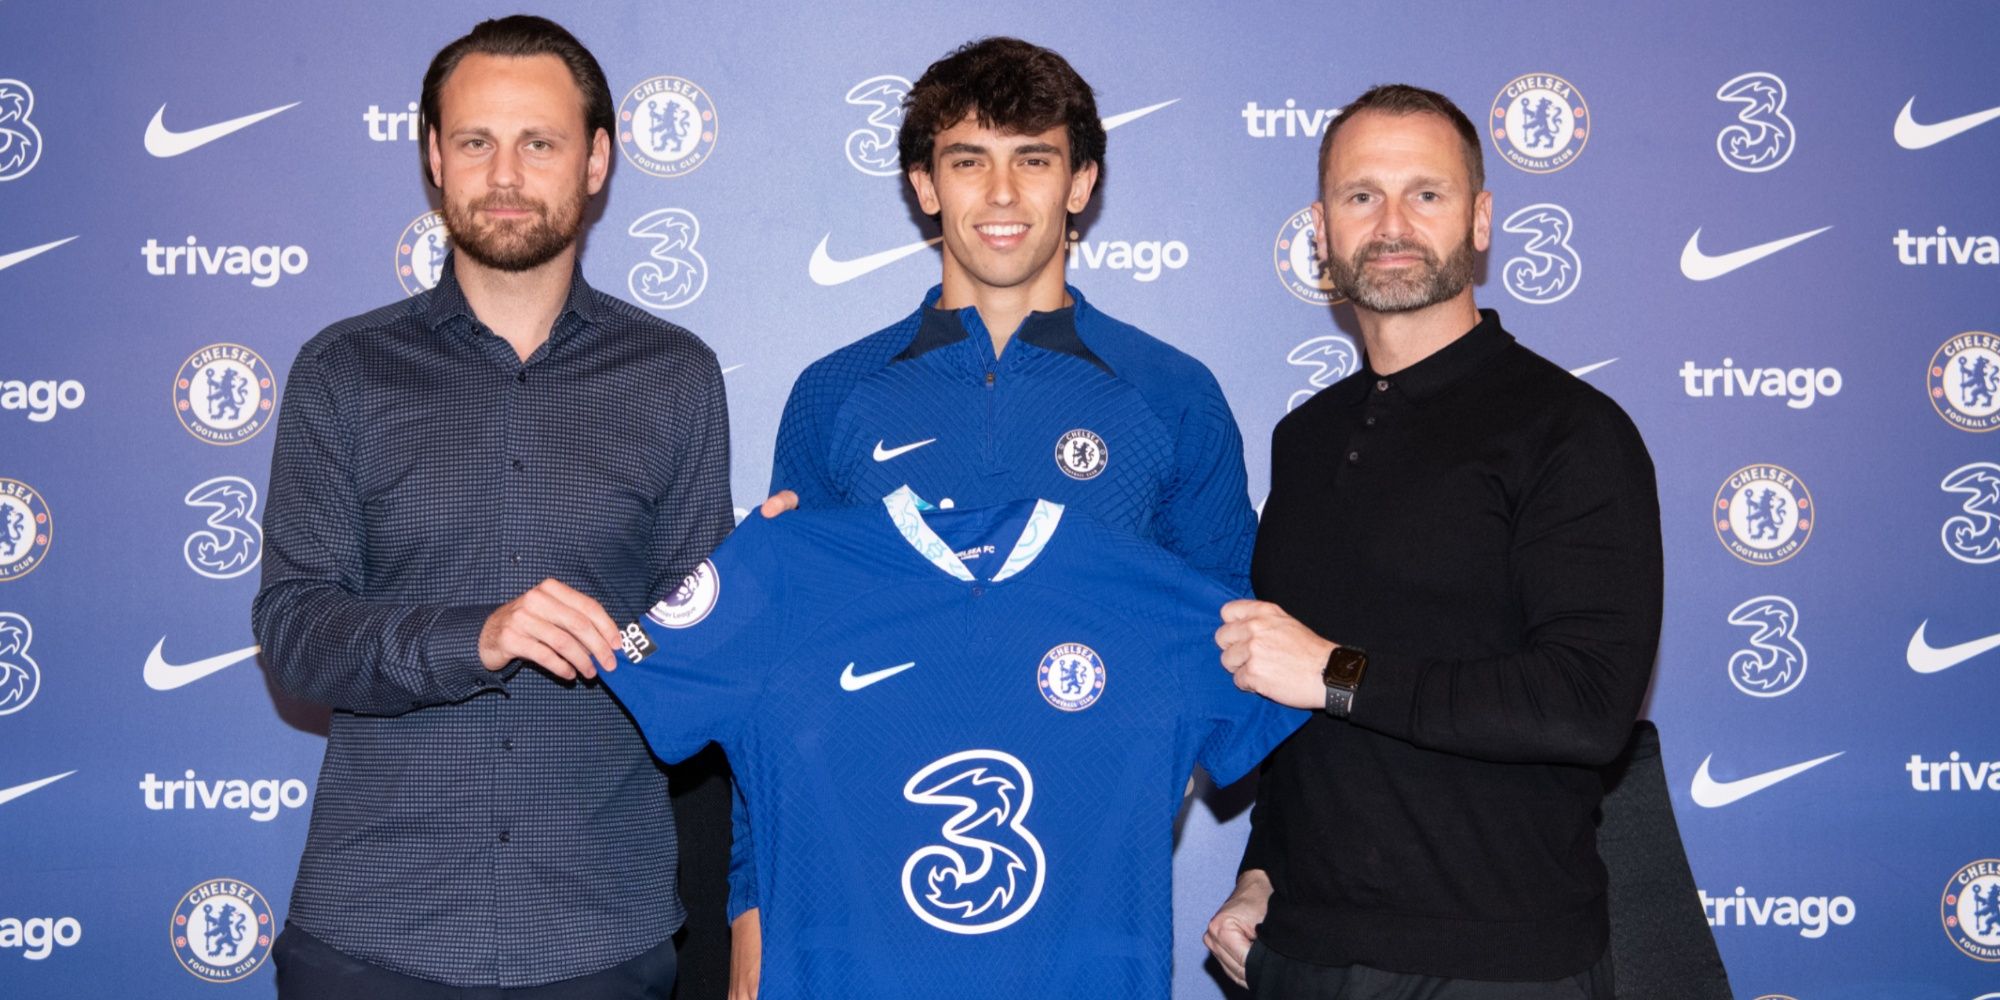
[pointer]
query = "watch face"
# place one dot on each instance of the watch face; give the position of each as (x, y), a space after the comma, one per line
(1344, 667)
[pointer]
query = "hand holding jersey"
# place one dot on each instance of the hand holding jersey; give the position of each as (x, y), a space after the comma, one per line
(553, 626)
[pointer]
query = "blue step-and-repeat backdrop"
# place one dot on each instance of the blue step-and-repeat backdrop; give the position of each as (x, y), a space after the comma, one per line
(1769, 230)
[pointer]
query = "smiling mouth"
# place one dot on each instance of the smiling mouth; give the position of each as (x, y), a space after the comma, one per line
(1000, 230)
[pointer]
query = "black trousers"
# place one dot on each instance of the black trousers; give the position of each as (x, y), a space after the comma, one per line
(1276, 977)
(311, 969)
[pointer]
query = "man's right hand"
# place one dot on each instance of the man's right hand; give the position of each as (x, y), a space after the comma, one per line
(553, 626)
(1234, 926)
(746, 955)
(778, 503)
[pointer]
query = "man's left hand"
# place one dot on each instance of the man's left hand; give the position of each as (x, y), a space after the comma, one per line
(1272, 654)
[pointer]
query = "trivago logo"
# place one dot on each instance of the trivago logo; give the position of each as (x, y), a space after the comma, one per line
(41, 397)
(1953, 774)
(1812, 915)
(264, 264)
(264, 798)
(1145, 258)
(39, 937)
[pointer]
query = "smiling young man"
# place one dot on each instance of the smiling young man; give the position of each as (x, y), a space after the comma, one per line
(1005, 383)
(1459, 565)
(447, 542)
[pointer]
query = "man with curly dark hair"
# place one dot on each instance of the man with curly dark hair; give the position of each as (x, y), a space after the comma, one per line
(1005, 383)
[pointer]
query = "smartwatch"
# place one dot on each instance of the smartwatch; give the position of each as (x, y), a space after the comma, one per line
(1344, 667)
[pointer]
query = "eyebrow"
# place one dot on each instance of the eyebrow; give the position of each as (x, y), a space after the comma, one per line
(1424, 180)
(1029, 149)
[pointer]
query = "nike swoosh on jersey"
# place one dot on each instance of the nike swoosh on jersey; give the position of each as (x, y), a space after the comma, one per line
(1928, 659)
(11, 259)
(1712, 794)
(827, 271)
(10, 794)
(1698, 266)
(851, 681)
(1587, 369)
(164, 676)
(1131, 116)
(1911, 134)
(884, 454)
(163, 142)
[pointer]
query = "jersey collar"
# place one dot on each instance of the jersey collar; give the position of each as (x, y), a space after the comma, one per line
(1055, 330)
(906, 512)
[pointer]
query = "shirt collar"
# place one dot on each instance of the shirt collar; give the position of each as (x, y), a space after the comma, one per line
(1452, 363)
(448, 300)
(1055, 330)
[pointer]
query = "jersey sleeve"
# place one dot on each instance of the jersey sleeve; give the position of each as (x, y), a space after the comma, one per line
(697, 660)
(1231, 730)
(1207, 513)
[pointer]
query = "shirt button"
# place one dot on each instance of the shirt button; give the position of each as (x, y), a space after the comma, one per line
(522, 377)
(515, 558)
(1354, 458)
(1381, 384)
(517, 465)
(507, 744)
(505, 837)
(1368, 422)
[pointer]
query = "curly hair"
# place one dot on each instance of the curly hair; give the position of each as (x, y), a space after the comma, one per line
(1003, 83)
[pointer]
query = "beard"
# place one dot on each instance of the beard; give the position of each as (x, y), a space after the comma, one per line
(518, 245)
(1406, 289)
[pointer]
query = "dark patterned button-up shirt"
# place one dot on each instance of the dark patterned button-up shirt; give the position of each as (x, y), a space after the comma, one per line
(464, 825)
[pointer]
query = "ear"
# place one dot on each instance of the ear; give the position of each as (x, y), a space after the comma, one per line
(1320, 249)
(435, 157)
(600, 161)
(1081, 184)
(926, 188)
(1482, 221)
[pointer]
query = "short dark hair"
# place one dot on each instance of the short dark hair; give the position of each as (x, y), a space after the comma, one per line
(1403, 99)
(1008, 84)
(519, 35)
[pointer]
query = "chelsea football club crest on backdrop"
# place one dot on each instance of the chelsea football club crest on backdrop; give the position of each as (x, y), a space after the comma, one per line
(1540, 123)
(224, 394)
(667, 126)
(1964, 381)
(26, 530)
(420, 253)
(222, 930)
(1971, 909)
(1763, 514)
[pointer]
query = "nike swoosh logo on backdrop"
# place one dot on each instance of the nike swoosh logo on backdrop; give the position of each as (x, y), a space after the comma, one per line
(1928, 659)
(164, 676)
(884, 454)
(11, 259)
(1912, 135)
(1711, 794)
(1698, 266)
(10, 794)
(851, 681)
(1587, 369)
(163, 142)
(827, 271)
(1131, 116)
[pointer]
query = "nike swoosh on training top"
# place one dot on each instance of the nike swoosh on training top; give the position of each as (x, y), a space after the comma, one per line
(163, 142)
(1910, 134)
(11, 259)
(851, 681)
(1131, 116)
(10, 794)
(1928, 659)
(827, 271)
(164, 676)
(1711, 794)
(1699, 266)
(884, 454)
(1587, 369)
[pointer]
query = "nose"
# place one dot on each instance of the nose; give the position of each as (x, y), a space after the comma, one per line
(504, 168)
(1001, 190)
(1392, 224)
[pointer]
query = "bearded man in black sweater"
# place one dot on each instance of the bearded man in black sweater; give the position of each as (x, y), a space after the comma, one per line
(1460, 563)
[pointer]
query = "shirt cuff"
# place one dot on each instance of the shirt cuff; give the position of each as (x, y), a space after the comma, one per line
(452, 653)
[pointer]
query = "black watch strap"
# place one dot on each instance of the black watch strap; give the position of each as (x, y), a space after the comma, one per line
(1339, 701)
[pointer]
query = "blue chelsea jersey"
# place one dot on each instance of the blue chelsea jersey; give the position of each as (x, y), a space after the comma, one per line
(962, 737)
(1079, 408)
